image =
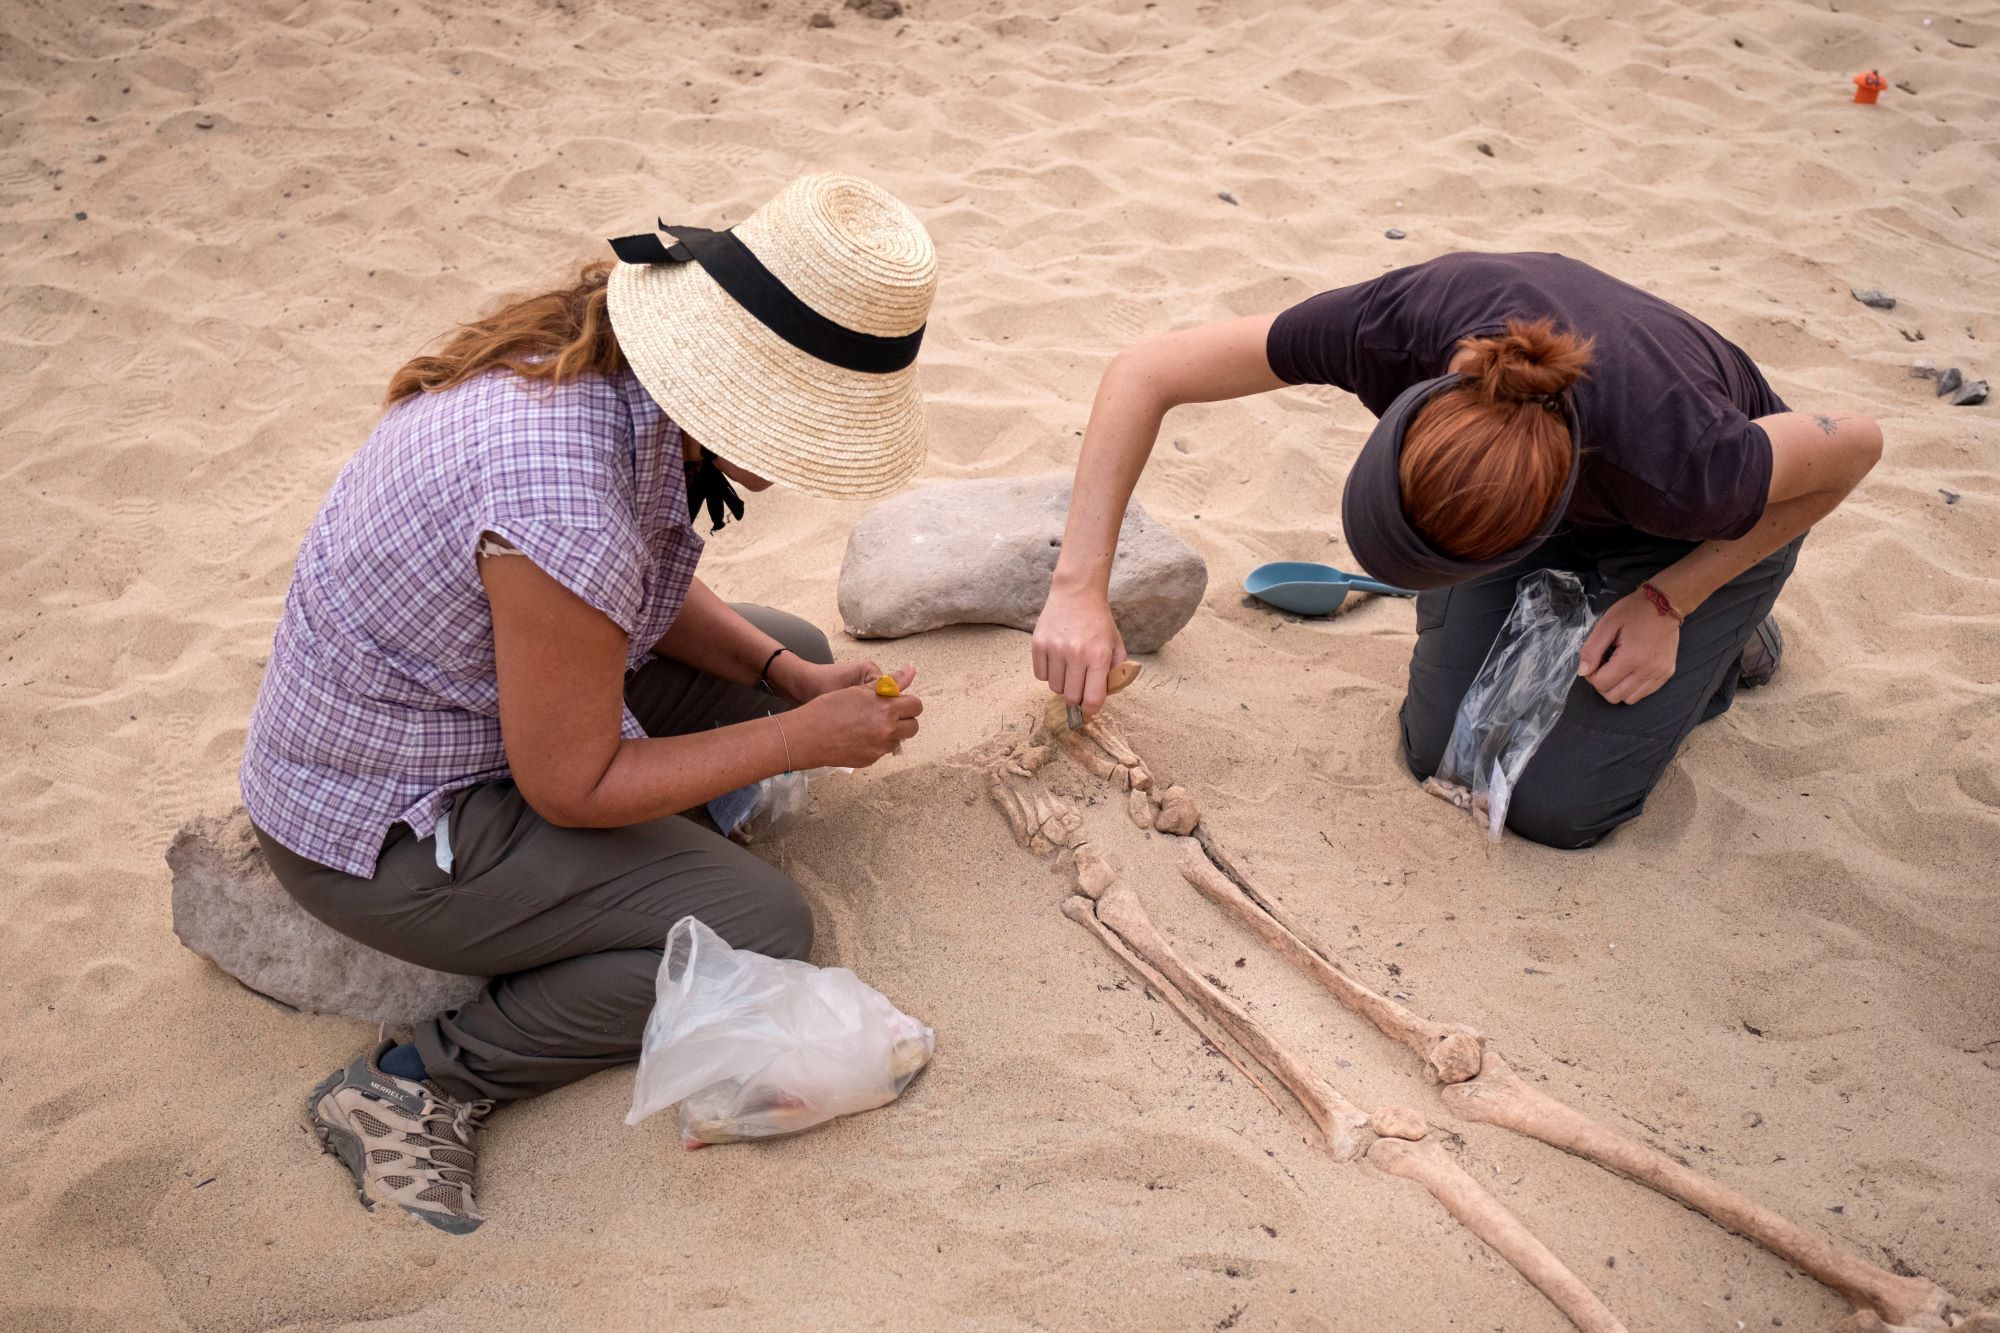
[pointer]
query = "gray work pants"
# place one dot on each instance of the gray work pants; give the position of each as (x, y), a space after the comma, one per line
(568, 922)
(1602, 760)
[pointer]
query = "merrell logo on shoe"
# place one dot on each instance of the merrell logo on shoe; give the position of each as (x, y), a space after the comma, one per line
(388, 1092)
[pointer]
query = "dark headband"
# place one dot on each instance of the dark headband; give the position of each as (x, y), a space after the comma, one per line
(738, 271)
(1380, 533)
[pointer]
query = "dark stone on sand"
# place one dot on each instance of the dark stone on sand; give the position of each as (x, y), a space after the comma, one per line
(1949, 381)
(1395, 233)
(1972, 395)
(204, 122)
(1904, 84)
(82, 216)
(878, 9)
(1226, 197)
(821, 20)
(1486, 148)
(1870, 296)
(1950, 497)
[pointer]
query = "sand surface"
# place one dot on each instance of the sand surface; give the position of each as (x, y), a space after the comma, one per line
(1785, 972)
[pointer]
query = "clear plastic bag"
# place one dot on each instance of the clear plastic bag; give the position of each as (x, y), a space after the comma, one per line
(761, 809)
(1516, 698)
(753, 1047)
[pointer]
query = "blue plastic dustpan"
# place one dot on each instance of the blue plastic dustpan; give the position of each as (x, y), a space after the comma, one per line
(1307, 589)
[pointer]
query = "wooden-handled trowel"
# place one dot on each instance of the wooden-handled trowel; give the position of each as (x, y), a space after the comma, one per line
(1121, 675)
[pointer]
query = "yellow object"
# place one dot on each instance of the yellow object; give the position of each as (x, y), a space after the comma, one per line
(887, 687)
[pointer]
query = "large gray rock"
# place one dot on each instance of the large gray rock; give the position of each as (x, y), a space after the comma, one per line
(981, 553)
(229, 908)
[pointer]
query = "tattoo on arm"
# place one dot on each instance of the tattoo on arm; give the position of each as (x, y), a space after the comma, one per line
(1826, 424)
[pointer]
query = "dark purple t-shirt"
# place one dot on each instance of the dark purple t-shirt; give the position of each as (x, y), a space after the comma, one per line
(1669, 444)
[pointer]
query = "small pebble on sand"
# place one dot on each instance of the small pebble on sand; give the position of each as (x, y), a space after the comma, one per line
(1949, 381)
(1972, 394)
(204, 122)
(1226, 197)
(878, 9)
(820, 21)
(1486, 148)
(1871, 296)
(1395, 233)
(1950, 497)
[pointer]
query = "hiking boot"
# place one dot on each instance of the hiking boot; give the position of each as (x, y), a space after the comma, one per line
(1760, 655)
(404, 1141)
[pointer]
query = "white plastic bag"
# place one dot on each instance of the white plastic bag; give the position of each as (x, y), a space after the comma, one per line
(754, 1046)
(1516, 698)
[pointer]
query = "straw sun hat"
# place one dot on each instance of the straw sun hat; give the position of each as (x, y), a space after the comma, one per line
(786, 344)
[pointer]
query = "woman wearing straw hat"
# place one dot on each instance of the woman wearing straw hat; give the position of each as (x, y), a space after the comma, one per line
(496, 676)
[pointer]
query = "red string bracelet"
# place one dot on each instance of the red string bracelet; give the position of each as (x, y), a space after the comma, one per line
(1661, 603)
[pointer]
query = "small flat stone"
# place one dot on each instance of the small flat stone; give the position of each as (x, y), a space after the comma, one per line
(82, 216)
(1395, 233)
(1923, 369)
(1871, 296)
(821, 20)
(1972, 394)
(1226, 197)
(1950, 497)
(878, 9)
(1950, 381)
(1486, 148)
(204, 122)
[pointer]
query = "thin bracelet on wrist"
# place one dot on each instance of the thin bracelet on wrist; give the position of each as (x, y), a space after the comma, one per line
(786, 739)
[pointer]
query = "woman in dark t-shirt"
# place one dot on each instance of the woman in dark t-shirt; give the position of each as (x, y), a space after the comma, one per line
(1532, 413)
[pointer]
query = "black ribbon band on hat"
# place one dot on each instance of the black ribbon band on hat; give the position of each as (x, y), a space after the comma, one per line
(706, 485)
(1378, 530)
(738, 271)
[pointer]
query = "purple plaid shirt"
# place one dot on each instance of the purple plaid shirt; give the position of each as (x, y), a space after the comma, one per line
(380, 698)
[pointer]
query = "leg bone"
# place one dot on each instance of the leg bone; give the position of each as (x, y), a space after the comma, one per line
(1486, 1217)
(1452, 1051)
(1082, 911)
(1344, 1124)
(1499, 1096)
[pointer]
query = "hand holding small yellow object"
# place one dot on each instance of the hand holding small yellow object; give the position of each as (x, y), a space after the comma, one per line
(887, 688)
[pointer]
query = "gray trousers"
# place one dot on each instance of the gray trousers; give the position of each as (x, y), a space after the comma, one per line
(568, 922)
(1602, 760)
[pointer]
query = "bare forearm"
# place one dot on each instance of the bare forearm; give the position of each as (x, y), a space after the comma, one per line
(1694, 578)
(1124, 423)
(1199, 365)
(658, 776)
(710, 636)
